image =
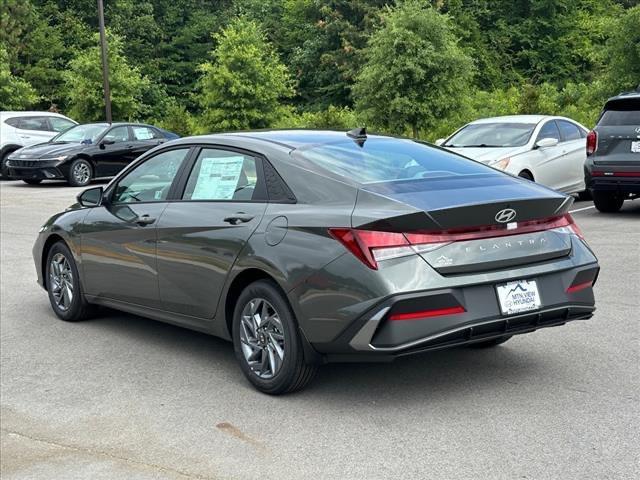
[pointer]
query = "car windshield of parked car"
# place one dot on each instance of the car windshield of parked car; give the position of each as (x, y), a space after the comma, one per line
(384, 160)
(82, 133)
(492, 135)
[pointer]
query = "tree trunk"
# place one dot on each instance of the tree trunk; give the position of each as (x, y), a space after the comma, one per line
(415, 130)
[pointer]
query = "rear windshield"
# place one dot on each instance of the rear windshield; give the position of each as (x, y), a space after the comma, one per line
(617, 113)
(389, 159)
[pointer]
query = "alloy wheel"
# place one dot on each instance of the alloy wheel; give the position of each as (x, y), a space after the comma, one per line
(81, 173)
(61, 281)
(262, 338)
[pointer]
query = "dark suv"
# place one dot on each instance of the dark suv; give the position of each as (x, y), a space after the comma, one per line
(612, 169)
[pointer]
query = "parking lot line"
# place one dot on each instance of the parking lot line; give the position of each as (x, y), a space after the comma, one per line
(581, 209)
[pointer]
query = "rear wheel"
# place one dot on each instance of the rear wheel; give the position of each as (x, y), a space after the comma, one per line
(526, 174)
(607, 202)
(32, 181)
(80, 173)
(266, 341)
(63, 285)
(490, 343)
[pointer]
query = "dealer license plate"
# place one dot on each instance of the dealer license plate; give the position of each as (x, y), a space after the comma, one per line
(518, 297)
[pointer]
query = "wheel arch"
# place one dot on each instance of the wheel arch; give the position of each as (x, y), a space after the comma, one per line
(528, 172)
(11, 147)
(46, 247)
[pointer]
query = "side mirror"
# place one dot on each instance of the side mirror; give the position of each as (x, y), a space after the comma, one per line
(546, 143)
(105, 142)
(439, 141)
(92, 197)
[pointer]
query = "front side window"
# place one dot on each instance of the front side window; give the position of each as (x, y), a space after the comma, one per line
(222, 175)
(150, 181)
(118, 134)
(500, 134)
(549, 130)
(386, 160)
(60, 124)
(569, 131)
(145, 133)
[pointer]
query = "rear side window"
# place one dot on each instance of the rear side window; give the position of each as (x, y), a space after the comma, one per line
(145, 133)
(569, 131)
(222, 175)
(387, 160)
(34, 123)
(618, 113)
(13, 122)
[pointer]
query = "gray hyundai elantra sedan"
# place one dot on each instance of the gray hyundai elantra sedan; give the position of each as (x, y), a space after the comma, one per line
(306, 247)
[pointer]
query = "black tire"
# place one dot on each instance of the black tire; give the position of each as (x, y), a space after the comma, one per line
(4, 169)
(525, 174)
(294, 373)
(607, 202)
(585, 195)
(32, 181)
(490, 343)
(78, 308)
(80, 173)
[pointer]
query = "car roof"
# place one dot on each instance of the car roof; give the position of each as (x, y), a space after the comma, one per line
(30, 114)
(292, 139)
(514, 119)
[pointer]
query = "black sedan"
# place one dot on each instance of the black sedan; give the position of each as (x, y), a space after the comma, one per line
(85, 152)
(306, 247)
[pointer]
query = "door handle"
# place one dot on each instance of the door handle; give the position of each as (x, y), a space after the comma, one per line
(239, 217)
(129, 147)
(145, 220)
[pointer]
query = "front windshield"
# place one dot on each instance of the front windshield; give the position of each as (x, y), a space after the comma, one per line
(387, 160)
(492, 135)
(82, 133)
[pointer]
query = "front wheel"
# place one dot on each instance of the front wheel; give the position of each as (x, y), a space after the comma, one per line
(63, 285)
(80, 173)
(607, 202)
(266, 341)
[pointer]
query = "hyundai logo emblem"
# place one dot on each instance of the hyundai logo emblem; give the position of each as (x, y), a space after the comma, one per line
(506, 215)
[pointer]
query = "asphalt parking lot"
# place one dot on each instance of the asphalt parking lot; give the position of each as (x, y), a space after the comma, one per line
(125, 397)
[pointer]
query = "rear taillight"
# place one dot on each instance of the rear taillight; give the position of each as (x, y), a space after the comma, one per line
(370, 246)
(592, 142)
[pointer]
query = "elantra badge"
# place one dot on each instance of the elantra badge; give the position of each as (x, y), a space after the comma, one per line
(506, 215)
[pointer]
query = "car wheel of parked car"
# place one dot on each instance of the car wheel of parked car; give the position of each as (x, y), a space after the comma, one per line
(80, 173)
(607, 202)
(3, 164)
(585, 195)
(63, 285)
(525, 174)
(490, 343)
(266, 340)
(32, 181)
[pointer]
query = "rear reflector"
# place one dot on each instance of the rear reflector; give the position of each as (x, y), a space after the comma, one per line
(579, 286)
(427, 313)
(615, 174)
(370, 246)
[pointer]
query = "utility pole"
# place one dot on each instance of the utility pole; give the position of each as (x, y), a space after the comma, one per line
(105, 63)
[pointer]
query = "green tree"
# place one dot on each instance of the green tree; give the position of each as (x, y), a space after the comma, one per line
(15, 93)
(415, 73)
(624, 52)
(244, 85)
(83, 85)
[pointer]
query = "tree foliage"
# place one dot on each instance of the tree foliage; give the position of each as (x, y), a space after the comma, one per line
(15, 93)
(244, 85)
(83, 85)
(551, 56)
(415, 71)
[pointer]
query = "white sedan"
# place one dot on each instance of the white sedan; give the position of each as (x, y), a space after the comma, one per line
(548, 150)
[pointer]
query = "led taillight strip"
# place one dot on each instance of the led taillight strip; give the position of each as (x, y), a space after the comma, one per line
(615, 174)
(438, 312)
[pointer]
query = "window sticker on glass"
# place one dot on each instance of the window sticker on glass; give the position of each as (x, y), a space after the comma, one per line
(142, 133)
(218, 178)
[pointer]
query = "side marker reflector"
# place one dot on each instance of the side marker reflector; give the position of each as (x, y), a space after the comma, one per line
(427, 313)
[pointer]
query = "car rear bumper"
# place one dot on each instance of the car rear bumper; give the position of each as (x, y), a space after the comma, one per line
(621, 179)
(376, 337)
